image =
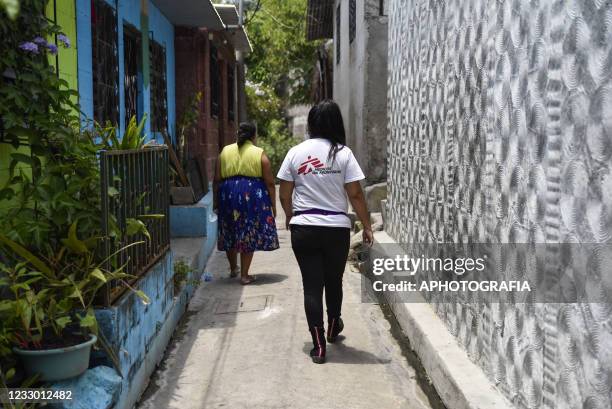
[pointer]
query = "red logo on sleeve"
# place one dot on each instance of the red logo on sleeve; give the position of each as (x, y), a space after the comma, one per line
(310, 165)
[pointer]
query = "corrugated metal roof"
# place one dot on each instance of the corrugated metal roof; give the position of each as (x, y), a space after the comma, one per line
(190, 13)
(319, 22)
(228, 14)
(238, 35)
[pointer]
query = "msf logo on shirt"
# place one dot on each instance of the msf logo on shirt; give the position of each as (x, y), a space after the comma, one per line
(315, 167)
(310, 165)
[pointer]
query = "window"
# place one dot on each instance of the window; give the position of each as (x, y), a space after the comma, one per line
(159, 97)
(338, 35)
(104, 63)
(383, 8)
(215, 82)
(352, 20)
(132, 53)
(230, 93)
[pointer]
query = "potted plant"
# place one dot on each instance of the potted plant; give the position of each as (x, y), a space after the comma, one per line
(51, 305)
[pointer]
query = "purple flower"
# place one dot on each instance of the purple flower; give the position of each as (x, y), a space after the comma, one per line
(52, 48)
(62, 38)
(29, 46)
(40, 41)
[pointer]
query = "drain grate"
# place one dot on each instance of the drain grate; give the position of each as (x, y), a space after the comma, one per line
(248, 304)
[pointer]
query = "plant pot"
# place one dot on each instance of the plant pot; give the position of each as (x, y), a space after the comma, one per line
(59, 363)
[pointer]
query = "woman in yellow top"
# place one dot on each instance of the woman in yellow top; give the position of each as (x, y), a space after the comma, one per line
(244, 198)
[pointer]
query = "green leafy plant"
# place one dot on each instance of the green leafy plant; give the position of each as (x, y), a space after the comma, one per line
(181, 273)
(7, 380)
(276, 144)
(133, 137)
(11, 7)
(36, 105)
(280, 68)
(284, 58)
(51, 263)
(53, 297)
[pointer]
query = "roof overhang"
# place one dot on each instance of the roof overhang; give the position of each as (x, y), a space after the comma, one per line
(236, 33)
(319, 19)
(191, 13)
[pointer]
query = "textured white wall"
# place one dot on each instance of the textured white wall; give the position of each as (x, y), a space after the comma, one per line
(500, 130)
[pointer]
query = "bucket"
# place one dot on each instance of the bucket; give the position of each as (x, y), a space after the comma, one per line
(59, 363)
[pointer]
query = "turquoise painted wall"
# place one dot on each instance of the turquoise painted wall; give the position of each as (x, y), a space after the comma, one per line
(159, 28)
(163, 33)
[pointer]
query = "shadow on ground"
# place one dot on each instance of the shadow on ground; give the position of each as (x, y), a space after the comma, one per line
(262, 279)
(340, 353)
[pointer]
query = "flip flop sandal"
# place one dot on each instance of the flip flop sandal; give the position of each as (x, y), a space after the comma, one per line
(248, 280)
(235, 273)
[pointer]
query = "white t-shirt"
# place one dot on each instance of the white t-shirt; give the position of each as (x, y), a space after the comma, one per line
(319, 183)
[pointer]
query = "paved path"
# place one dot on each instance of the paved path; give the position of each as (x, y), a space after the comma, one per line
(259, 359)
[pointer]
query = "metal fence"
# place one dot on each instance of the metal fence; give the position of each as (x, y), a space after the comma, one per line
(134, 188)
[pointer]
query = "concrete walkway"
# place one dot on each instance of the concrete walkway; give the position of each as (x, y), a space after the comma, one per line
(247, 347)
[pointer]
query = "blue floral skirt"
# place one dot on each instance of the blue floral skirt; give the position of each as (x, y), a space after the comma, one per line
(246, 223)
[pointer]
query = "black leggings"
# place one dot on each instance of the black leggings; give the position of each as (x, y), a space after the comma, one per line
(321, 253)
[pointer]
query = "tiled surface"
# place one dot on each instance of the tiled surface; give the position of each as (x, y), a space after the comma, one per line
(500, 121)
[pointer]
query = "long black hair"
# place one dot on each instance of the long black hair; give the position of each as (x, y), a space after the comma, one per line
(246, 132)
(325, 121)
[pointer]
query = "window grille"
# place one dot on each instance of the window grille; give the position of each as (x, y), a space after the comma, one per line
(230, 93)
(105, 65)
(132, 53)
(352, 20)
(338, 34)
(159, 104)
(141, 180)
(215, 82)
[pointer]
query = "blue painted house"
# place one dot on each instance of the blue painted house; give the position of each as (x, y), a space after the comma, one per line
(126, 58)
(126, 66)
(126, 63)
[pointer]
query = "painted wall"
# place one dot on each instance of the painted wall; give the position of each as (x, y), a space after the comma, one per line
(132, 328)
(358, 87)
(193, 75)
(160, 29)
(500, 121)
(63, 12)
(163, 33)
(139, 333)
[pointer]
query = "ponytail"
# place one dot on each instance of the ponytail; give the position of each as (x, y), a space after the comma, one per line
(246, 132)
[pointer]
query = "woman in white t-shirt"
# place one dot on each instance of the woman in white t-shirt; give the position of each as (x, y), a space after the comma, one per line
(316, 177)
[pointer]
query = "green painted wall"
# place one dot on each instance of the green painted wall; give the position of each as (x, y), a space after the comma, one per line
(64, 13)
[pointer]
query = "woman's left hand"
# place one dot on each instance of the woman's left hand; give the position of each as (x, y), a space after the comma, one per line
(368, 237)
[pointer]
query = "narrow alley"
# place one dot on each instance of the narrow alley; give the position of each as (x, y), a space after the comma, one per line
(247, 347)
(469, 141)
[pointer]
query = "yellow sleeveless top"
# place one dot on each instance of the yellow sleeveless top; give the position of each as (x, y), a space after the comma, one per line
(244, 160)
